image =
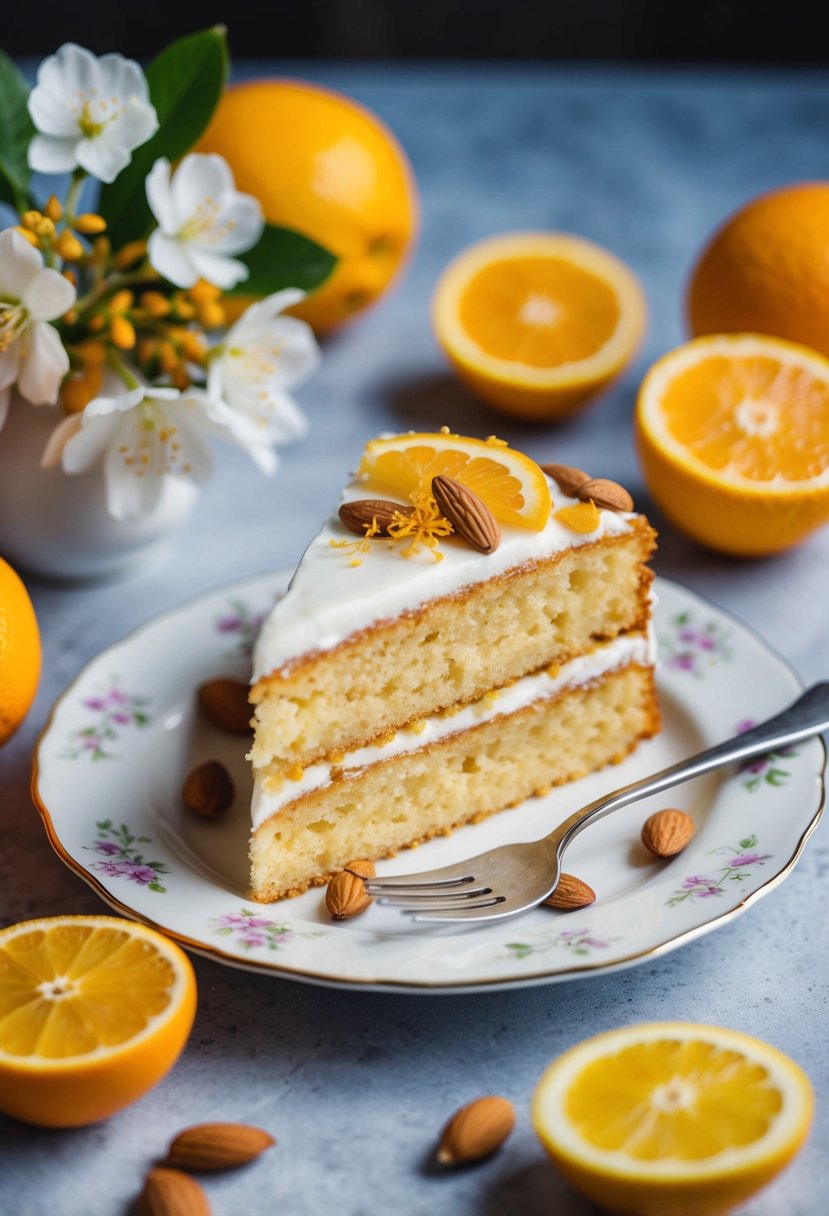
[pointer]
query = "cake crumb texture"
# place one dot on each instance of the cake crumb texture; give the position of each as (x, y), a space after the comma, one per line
(461, 779)
(453, 650)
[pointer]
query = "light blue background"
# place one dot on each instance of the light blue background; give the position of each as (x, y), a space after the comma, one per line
(355, 1086)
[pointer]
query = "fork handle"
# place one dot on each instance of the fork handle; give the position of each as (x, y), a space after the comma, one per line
(807, 716)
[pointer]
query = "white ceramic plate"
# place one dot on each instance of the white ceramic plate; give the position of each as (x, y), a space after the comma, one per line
(111, 760)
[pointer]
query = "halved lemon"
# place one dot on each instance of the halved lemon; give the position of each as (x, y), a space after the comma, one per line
(538, 322)
(672, 1118)
(94, 1011)
(512, 486)
(733, 435)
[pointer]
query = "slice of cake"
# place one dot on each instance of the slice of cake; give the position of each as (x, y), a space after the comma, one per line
(465, 632)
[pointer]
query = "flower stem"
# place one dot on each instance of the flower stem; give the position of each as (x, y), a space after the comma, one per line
(122, 370)
(108, 286)
(72, 195)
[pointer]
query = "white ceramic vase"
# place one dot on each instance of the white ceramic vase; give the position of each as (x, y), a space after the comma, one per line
(58, 525)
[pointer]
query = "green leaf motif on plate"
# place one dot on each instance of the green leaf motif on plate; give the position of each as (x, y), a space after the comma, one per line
(123, 860)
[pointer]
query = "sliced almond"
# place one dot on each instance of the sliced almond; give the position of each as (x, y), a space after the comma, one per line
(469, 516)
(476, 1130)
(225, 703)
(208, 789)
(360, 514)
(171, 1193)
(217, 1146)
(571, 893)
(666, 833)
(567, 477)
(607, 494)
(346, 894)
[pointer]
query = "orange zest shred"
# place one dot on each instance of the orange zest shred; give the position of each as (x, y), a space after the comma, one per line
(352, 547)
(423, 526)
(584, 517)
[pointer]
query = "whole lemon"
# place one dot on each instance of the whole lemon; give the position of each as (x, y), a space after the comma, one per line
(766, 270)
(19, 652)
(329, 168)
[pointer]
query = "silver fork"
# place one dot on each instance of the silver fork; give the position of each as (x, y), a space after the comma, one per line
(514, 878)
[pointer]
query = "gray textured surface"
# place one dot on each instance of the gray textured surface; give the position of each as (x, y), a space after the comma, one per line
(355, 1086)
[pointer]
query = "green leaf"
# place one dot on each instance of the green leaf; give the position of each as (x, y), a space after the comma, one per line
(284, 258)
(16, 131)
(186, 82)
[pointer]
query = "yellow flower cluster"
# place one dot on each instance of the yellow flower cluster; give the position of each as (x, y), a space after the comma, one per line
(125, 305)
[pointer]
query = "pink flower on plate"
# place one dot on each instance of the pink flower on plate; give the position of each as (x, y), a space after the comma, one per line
(748, 859)
(108, 847)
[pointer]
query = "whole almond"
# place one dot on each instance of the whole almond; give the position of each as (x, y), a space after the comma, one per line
(607, 494)
(208, 789)
(171, 1193)
(476, 1130)
(360, 514)
(667, 832)
(571, 893)
(217, 1146)
(567, 477)
(469, 516)
(225, 702)
(346, 894)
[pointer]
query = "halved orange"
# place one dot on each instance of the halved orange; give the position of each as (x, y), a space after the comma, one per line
(94, 1011)
(733, 434)
(512, 486)
(538, 322)
(673, 1118)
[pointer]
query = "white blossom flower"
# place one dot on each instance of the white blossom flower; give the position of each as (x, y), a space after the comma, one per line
(31, 351)
(262, 357)
(89, 112)
(145, 435)
(202, 220)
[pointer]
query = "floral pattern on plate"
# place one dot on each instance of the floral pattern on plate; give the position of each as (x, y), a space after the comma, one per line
(251, 930)
(693, 647)
(578, 942)
(115, 711)
(735, 869)
(242, 623)
(765, 769)
(123, 859)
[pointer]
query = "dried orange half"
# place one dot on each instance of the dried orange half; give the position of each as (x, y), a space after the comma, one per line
(512, 486)
(94, 1011)
(733, 434)
(538, 322)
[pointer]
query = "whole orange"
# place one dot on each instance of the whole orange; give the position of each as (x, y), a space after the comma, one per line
(327, 167)
(767, 270)
(19, 652)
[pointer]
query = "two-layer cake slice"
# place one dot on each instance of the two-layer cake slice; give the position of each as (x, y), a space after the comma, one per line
(408, 683)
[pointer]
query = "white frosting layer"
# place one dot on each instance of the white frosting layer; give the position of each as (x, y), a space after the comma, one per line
(637, 648)
(328, 598)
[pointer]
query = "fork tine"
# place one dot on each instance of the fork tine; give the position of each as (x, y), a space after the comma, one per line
(454, 894)
(453, 914)
(425, 881)
(451, 899)
(441, 905)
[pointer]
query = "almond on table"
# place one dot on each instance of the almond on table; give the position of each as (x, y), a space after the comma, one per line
(208, 1147)
(168, 1192)
(476, 1130)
